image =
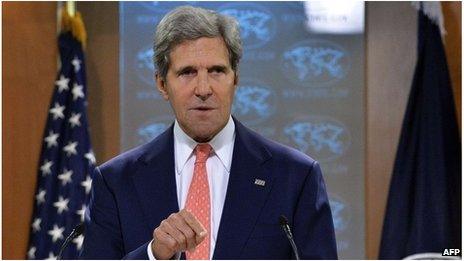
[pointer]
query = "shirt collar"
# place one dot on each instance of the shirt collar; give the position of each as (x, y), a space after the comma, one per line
(222, 145)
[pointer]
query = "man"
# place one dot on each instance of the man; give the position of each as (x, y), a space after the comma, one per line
(208, 187)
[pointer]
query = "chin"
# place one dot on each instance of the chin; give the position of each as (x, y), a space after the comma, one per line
(204, 133)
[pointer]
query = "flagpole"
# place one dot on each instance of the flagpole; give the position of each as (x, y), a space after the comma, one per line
(59, 7)
(71, 8)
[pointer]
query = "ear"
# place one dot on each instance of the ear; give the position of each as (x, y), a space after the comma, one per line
(162, 86)
(236, 79)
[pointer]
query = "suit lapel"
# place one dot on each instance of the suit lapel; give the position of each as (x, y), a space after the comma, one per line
(244, 199)
(155, 181)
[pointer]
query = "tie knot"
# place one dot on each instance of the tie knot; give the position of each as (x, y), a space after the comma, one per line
(202, 152)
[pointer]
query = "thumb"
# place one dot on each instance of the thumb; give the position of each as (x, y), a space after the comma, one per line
(200, 237)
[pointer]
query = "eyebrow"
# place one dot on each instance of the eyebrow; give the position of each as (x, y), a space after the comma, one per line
(184, 69)
(218, 67)
(190, 67)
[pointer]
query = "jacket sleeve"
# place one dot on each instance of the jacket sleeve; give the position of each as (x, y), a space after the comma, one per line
(139, 253)
(103, 238)
(313, 225)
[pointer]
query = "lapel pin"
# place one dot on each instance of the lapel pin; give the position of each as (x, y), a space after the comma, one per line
(260, 182)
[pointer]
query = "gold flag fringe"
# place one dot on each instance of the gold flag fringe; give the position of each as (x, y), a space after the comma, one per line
(75, 25)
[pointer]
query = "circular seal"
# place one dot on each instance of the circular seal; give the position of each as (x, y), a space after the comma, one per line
(152, 128)
(257, 23)
(254, 102)
(315, 63)
(341, 213)
(320, 137)
(144, 67)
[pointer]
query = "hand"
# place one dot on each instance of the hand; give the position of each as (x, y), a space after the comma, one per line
(179, 232)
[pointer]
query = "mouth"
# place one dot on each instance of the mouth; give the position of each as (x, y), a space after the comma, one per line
(202, 112)
(202, 108)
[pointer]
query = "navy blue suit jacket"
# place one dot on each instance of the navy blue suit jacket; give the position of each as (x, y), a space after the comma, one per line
(134, 192)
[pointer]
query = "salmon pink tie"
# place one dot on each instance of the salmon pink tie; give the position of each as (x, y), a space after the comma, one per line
(198, 200)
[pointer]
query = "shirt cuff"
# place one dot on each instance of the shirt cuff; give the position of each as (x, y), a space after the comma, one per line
(152, 257)
(149, 252)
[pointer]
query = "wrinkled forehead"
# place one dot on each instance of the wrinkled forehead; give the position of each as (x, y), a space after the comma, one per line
(201, 51)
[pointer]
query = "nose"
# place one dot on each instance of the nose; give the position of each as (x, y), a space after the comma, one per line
(203, 89)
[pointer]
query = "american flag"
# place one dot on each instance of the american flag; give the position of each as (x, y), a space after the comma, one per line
(66, 161)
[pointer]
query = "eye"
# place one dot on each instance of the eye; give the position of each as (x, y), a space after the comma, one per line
(217, 70)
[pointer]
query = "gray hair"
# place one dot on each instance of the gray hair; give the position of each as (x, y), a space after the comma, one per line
(190, 23)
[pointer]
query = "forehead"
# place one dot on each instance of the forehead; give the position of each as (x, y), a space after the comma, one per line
(200, 52)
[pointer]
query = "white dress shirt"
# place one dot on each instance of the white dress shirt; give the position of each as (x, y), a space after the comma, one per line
(217, 167)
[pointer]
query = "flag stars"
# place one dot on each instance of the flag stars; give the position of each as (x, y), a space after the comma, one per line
(74, 120)
(76, 63)
(61, 205)
(91, 157)
(70, 149)
(78, 241)
(51, 256)
(46, 167)
(57, 111)
(40, 197)
(65, 177)
(56, 233)
(77, 91)
(36, 225)
(62, 83)
(31, 252)
(56, 205)
(87, 184)
(51, 139)
(81, 213)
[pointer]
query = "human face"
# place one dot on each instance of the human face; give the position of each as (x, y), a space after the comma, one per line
(200, 85)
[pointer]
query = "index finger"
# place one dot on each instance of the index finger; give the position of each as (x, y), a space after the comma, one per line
(193, 222)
